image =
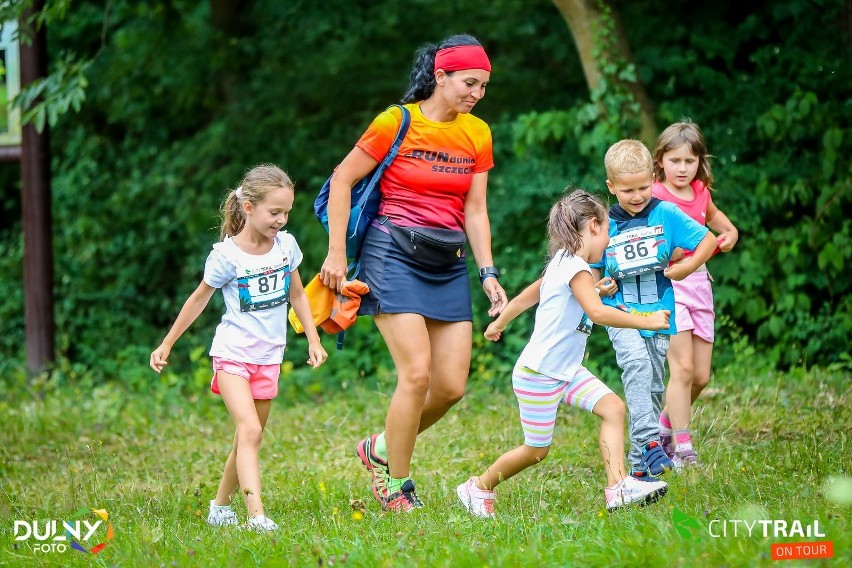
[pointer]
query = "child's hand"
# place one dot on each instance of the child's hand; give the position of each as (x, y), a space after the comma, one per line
(159, 357)
(726, 241)
(316, 354)
(606, 286)
(677, 254)
(658, 321)
(677, 272)
(494, 331)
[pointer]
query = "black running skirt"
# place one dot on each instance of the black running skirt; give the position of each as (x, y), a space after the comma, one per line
(398, 285)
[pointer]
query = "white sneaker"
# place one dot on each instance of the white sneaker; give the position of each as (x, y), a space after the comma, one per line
(262, 523)
(478, 501)
(631, 490)
(221, 516)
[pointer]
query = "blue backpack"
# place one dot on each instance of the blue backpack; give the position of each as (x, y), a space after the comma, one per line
(365, 198)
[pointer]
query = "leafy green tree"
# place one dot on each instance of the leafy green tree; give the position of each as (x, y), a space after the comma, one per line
(606, 56)
(178, 106)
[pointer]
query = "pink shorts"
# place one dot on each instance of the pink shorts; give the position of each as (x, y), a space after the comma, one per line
(694, 305)
(263, 379)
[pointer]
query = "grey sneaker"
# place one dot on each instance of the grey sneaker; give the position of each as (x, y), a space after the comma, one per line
(221, 516)
(685, 458)
(667, 442)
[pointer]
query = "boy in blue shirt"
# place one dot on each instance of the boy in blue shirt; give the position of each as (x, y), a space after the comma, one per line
(643, 233)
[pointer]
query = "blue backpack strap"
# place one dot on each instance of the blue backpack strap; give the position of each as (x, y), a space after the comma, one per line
(353, 269)
(390, 156)
(400, 135)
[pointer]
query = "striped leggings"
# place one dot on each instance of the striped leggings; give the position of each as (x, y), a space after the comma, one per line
(540, 395)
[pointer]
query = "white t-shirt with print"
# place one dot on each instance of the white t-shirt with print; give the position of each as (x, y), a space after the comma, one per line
(256, 290)
(561, 329)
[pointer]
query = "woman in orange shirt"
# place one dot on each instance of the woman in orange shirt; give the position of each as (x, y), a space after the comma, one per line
(413, 258)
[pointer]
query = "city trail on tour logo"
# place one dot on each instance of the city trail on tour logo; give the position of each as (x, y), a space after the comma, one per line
(689, 528)
(60, 536)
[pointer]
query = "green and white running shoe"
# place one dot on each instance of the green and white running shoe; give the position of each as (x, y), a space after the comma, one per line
(376, 467)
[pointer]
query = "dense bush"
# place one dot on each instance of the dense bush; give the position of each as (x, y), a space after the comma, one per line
(176, 110)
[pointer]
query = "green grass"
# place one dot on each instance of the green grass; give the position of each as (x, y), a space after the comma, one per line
(770, 444)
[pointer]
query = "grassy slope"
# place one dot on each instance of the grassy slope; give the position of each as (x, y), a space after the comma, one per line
(769, 444)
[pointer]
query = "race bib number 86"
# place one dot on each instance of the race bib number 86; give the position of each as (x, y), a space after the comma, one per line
(637, 251)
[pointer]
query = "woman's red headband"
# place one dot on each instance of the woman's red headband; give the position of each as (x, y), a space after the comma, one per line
(462, 57)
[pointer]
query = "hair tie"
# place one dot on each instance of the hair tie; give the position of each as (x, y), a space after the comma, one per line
(239, 192)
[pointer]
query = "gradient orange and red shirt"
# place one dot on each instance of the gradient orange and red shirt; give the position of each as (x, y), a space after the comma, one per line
(427, 183)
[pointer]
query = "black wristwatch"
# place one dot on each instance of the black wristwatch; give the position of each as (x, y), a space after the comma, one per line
(488, 272)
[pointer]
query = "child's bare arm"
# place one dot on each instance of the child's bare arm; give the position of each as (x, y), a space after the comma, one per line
(518, 305)
(726, 233)
(690, 264)
(607, 286)
(302, 306)
(582, 286)
(190, 311)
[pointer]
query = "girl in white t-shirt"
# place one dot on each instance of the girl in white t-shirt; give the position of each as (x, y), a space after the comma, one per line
(550, 370)
(256, 266)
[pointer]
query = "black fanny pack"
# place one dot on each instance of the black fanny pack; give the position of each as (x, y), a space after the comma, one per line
(430, 247)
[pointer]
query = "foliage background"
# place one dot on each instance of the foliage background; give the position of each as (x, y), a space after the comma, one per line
(177, 109)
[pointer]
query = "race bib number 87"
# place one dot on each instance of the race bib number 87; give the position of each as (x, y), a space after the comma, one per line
(637, 251)
(267, 289)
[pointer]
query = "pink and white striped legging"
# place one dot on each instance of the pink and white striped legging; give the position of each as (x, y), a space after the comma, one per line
(540, 395)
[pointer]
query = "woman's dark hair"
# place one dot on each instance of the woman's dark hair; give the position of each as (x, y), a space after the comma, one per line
(421, 82)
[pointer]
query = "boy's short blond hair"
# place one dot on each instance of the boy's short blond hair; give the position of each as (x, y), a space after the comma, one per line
(627, 157)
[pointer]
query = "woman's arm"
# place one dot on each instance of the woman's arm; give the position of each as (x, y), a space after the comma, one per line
(476, 222)
(354, 166)
(190, 311)
(478, 229)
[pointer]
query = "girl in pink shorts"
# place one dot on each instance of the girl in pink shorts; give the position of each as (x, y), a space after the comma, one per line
(256, 266)
(683, 177)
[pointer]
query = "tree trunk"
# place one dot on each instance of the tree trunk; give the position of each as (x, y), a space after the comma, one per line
(583, 17)
(39, 326)
(226, 16)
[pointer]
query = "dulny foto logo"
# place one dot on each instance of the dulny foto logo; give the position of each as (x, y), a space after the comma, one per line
(58, 536)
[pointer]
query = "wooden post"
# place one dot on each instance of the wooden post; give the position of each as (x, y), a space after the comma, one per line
(35, 198)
